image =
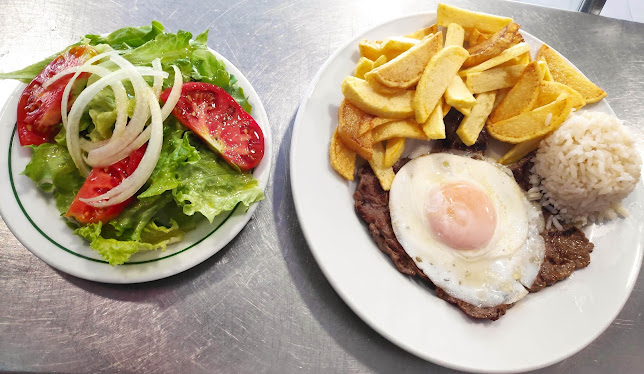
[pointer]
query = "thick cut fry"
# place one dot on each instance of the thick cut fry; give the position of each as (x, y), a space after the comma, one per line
(439, 72)
(493, 46)
(384, 174)
(381, 88)
(543, 65)
(550, 91)
(350, 119)
(364, 66)
(379, 61)
(422, 33)
(521, 97)
(434, 128)
(506, 55)
(394, 46)
(532, 124)
(486, 23)
(393, 151)
(520, 150)
(471, 126)
(455, 35)
(398, 129)
(477, 37)
(373, 123)
(343, 160)
(459, 96)
(523, 59)
(370, 49)
(494, 79)
(500, 95)
(563, 72)
(405, 70)
(359, 93)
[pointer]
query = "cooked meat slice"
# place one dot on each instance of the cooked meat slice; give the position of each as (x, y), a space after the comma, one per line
(400, 163)
(521, 171)
(492, 313)
(566, 251)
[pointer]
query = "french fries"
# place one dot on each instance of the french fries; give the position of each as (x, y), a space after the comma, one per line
(403, 87)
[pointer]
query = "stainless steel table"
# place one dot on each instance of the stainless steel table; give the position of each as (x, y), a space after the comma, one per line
(262, 303)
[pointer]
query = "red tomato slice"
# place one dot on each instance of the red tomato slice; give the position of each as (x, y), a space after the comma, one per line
(216, 117)
(99, 181)
(39, 108)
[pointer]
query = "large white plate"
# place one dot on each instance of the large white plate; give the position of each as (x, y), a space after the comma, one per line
(33, 218)
(538, 331)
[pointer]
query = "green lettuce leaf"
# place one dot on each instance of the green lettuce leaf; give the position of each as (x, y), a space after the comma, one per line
(133, 220)
(114, 251)
(128, 37)
(52, 169)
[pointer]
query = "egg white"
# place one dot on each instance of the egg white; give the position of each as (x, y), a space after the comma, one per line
(489, 276)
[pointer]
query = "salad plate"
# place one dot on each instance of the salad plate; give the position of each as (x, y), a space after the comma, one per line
(32, 217)
(542, 329)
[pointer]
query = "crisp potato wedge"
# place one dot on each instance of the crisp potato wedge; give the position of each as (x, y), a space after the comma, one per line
(563, 72)
(371, 49)
(486, 23)
(393, 151)
(398, 129)
(521, 97)
(477, 37)
(381, 88)
(405, 70)
(434, 128)
(470, 128)
(455, 35)
(493, 46)
(364, 66)
(520, 150)
(532, 124)
(343, 160)
(379, 61)
(373, 123)
(494, 79)
(500, 95)
(384, 174)
(396, 45)
(550, 91)
(459, 96)
(360, 93)
(523, 59)
(350, 119)
(506, 55)
(438, 74)
(543, 65)
(422, 33)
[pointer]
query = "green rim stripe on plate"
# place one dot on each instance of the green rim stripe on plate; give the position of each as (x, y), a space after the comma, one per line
(15, 194)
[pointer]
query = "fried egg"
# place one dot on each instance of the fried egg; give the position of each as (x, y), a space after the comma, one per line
(468, 226)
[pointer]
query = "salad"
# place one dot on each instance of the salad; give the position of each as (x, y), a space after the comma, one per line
(139, 135)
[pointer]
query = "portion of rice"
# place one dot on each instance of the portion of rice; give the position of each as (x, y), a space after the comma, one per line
(584, 169)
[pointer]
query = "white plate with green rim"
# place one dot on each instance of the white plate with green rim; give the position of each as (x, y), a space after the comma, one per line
(540, 330)
(32, 217)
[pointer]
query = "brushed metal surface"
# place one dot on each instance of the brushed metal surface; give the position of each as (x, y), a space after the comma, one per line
(262, 303)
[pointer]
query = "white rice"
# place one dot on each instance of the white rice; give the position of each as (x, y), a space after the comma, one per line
(584, 170)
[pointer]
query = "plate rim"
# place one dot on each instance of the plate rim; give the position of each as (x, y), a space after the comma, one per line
(147, 270)
(297, 127)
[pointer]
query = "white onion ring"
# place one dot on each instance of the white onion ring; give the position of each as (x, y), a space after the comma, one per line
(158, 82)
(175, 94)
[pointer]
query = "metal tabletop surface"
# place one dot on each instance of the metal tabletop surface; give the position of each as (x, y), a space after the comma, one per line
(262, 304)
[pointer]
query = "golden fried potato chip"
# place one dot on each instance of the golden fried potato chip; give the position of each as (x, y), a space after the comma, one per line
(550, 91)
(470, 128)
(364, 66)
(543, 65)
(506, 55)
(381, 88)
(370, 49)
(405, 70)
(563, 72)
(493, 46)
(532, 124)
(477, 37)
(500, 95)
(384, 174)
(486, 23)
(373, 123)
(360, 93)
(393, 151)
(438, 74)
(494, 79)
(521, 97)
(343, 160)
(379, 61)
(422, 33)
(434, 128)
(396, 45)
(459, 96)
(350, 119)
(398, 129)
(520, 150)
(455, 35)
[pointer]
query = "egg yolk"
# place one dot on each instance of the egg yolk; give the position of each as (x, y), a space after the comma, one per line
(461, 215)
